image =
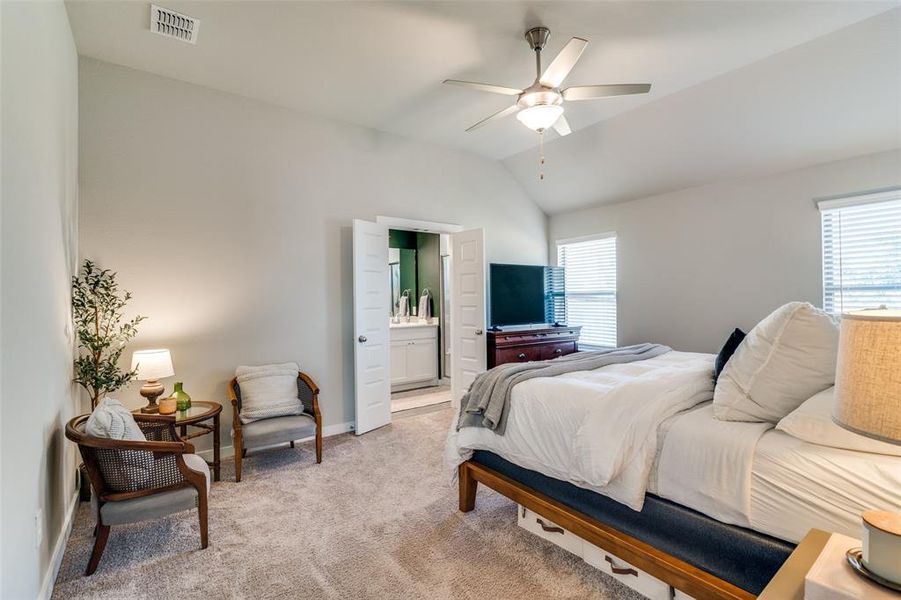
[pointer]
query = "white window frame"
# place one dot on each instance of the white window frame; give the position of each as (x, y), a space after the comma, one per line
(590, 238)
(836, 204)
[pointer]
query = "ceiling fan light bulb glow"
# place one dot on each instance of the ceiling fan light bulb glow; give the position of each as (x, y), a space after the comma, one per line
(539, 117)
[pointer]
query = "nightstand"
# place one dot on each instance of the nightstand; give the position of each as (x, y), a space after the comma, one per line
(788, 583)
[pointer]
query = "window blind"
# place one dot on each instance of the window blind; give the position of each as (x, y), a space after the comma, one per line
(862, 252)
(590, 288)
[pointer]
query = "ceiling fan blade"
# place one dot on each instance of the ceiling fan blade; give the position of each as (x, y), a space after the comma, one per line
(484, 87)
(590, 92)
(498, 115)
(562, 126)
(563, 63)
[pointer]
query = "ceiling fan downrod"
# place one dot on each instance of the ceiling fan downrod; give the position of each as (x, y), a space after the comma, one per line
(537, 38)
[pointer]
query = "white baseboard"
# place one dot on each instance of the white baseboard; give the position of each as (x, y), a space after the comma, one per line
(56, 559)
(327, 431)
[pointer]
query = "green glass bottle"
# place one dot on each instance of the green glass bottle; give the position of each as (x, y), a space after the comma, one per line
(182, 399)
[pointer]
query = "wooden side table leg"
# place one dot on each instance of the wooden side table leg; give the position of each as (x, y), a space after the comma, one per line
(216, 448)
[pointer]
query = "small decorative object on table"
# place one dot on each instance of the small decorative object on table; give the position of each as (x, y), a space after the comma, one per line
(168, 406)
(151, 366)
(182, 399)
(868, 402)
(832, 577)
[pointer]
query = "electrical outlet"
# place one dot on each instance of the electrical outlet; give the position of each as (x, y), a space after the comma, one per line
(39, 527)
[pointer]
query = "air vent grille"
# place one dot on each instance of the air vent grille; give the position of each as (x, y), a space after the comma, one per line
(173, 24)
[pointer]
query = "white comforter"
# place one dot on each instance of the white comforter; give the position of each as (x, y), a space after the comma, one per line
(596, 429)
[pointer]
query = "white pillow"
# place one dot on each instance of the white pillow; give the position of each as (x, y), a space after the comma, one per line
(812, 422)
(111, 420)
(268, 391)
(787, 358)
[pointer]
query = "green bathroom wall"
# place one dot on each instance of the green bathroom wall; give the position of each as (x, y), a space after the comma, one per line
(429, 268)
(408, 274)
(420, 264)
(401, 239)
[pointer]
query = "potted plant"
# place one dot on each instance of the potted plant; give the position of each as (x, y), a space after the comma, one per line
(97, 304)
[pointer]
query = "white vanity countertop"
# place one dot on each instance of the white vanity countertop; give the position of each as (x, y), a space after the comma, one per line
(405, 325)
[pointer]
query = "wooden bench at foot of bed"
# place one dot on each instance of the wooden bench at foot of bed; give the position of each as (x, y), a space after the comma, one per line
(673, 571)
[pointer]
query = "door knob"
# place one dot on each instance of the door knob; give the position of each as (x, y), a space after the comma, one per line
(361, 339)
(478, 332)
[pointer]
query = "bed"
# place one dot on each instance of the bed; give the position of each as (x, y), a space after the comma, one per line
(712, 508)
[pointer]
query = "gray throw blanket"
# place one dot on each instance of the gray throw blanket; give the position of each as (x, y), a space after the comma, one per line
(486, 402)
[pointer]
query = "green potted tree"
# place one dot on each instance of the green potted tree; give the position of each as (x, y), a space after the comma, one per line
(97, 305)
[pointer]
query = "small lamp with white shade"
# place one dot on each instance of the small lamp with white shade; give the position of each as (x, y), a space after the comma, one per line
(151, 366)
(868, 402)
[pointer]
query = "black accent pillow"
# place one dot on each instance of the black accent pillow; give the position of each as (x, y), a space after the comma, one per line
(726, 352)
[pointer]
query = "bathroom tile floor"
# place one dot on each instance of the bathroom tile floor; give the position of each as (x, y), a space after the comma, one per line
(417, 398)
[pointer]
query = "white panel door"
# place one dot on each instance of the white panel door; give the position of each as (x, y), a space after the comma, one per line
(372, 390)
(467, 310)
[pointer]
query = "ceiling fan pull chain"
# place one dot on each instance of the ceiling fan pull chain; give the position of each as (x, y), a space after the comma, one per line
(540, 155)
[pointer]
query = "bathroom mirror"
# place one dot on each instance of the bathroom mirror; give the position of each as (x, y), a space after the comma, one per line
(402, 271)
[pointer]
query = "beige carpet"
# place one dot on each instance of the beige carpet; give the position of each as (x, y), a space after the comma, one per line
(377, 519)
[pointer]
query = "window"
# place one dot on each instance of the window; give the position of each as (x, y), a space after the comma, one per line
(862, 252)
(590, 287)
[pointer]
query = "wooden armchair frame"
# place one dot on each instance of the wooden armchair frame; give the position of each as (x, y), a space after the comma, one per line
(307, 392)
(167, 480)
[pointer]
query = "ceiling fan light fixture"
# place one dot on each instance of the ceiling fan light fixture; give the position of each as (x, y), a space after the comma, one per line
(540, 117)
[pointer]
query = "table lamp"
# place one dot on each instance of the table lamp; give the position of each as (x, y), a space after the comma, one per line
(151, 366)
(868, 402)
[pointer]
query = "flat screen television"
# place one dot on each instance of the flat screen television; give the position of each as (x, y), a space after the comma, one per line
(524, 294)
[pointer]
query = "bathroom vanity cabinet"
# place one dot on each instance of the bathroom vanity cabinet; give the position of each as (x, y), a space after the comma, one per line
(414, 355)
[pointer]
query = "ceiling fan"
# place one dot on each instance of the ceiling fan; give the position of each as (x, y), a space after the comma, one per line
(540, 105)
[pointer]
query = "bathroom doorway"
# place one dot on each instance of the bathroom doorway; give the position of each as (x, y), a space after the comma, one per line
(464, 323)
(418, 275)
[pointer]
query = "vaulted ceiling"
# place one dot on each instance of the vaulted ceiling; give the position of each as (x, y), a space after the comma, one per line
(737, 86)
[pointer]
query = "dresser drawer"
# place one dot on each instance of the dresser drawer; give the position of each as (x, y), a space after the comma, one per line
(559, 349)
(641, 582)
(543, 528)
(522, 354)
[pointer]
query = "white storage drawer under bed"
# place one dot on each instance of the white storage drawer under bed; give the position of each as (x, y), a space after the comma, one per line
(646, 585)
(544, 528)
(638, 580)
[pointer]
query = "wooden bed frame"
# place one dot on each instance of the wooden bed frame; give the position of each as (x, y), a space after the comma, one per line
(665, 567)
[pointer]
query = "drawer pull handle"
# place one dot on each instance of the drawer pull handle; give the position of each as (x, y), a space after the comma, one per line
(521, 356)
(558, 351)
(549, 528)
(620, 570)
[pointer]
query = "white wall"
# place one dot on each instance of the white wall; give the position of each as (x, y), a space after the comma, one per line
(696, 263)
(39, 209)
(230, 221)
(832, 98)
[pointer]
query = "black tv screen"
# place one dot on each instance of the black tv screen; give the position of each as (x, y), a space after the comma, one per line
(520, 294)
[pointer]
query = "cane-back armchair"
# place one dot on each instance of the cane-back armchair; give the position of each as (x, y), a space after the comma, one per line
(141, 480)
(277, 430)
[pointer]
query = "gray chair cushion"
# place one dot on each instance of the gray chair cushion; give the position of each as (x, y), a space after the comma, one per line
(277, 430)
(156, 505)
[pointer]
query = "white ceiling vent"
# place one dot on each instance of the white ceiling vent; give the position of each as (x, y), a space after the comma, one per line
(172, 24)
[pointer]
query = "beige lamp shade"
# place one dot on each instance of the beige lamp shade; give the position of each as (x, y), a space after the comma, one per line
(868, 374)
(152, 364)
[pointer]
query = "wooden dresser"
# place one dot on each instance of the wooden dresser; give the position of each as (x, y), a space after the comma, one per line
(533, 343)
